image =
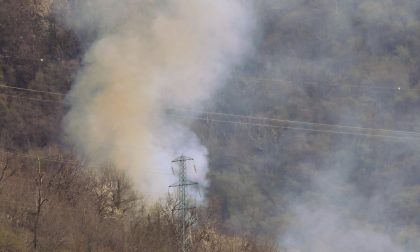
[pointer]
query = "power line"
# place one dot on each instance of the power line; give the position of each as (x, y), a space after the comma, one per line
(302, 122)
(70, 161)
(31, 90)
(415, 134)
(22, 58)
(397, 132)
(265, 125)
(283, 82)
(336, 85)
(303, 129)
(33, 99)
(276, 80)
(67, 161)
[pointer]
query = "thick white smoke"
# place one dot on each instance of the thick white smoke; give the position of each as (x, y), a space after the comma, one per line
(150, 56)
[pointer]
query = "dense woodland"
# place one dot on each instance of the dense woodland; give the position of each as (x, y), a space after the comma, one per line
(337, 62)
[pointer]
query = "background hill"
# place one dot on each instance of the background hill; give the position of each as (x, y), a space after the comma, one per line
(294, 184)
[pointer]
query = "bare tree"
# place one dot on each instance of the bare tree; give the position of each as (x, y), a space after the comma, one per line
(6, 169)
(114, 194)
(40, 201)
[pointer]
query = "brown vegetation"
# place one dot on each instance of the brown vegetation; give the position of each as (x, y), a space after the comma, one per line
(48, 200)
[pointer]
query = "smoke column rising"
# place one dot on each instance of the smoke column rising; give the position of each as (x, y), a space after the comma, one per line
(148, 56)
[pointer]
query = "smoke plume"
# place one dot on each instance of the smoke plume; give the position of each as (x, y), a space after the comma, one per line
(143, 58)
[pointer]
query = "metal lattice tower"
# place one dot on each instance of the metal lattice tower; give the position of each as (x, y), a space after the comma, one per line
(182, 199)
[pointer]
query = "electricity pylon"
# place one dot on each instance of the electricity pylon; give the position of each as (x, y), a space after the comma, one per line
(181, 202)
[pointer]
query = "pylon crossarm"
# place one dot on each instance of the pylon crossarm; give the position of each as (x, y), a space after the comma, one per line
(182, 158)
(186, 184)
(184, 208)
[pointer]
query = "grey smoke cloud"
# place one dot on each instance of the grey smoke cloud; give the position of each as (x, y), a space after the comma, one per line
(147, 57)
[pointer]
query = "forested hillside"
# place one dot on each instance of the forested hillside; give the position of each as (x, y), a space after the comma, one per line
(353, 63)
(328, 160)
(50, 200)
